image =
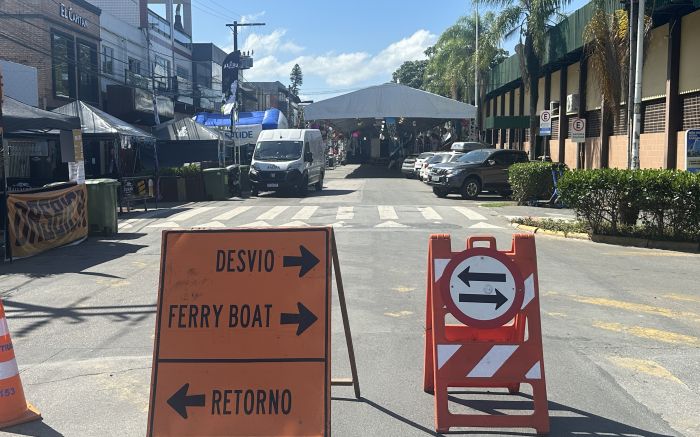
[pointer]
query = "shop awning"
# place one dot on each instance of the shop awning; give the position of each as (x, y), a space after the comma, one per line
(184, 130)
(97, 122)
(17, 116)
(269, 119)
(389, 100)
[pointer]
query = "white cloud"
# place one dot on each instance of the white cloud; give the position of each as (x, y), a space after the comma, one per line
(335, 69)
(252, 17)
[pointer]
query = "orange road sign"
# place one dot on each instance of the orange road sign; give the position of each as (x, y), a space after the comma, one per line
(242, 333)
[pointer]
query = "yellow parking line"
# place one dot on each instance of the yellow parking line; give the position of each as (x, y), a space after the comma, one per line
(638, 308)
(648, 367)
(682, 297)
(650, 333)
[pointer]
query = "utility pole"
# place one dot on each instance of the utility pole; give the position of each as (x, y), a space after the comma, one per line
(636, 129)
(5, 167)
(630, 76)
(232, 70)
(476, 70)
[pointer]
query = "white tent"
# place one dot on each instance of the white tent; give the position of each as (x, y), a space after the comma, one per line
(389, 100)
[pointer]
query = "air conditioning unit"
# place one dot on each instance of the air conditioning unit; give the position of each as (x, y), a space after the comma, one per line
(554, 108)
(572, 104)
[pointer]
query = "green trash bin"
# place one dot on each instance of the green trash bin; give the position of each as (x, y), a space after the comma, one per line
(216, 183)
(244, 180)
(102, 206)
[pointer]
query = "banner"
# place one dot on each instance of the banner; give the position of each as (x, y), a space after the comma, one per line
(230, 72)
(42, 221)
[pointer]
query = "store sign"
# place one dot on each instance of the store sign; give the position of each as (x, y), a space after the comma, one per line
(42, 221)
(70, 15)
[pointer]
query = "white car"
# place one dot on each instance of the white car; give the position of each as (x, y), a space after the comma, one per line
(437, 158)
(420, 160)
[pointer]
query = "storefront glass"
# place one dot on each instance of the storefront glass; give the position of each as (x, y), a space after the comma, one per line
(63, 54)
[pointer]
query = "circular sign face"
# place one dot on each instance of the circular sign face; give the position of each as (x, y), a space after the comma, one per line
(578, 125)
(483, 288)
(544, 116)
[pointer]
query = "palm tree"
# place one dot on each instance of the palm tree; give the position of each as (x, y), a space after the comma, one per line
(531, 19)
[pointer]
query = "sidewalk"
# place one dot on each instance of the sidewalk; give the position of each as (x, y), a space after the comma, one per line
(509, 209)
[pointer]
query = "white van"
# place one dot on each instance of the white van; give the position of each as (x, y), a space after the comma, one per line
(289, 160)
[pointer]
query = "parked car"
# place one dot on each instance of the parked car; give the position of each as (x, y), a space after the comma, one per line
(483, 169)
(438, 158)
(418, 165)
(408, 166)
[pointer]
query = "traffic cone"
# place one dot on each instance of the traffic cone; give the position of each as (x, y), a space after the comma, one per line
(14, 408)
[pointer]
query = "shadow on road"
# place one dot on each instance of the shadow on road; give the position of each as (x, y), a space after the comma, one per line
(73, 313)
(38, 428)
(368, 171)
(315, 193)
(564, 420)
(74, 259)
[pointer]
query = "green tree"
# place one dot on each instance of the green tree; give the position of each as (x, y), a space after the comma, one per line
(296, 79)
(410, 73)
(531, 19)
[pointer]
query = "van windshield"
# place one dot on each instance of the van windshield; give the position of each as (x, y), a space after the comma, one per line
(278, 150)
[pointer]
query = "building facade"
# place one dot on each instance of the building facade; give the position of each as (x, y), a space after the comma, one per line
(670, 95)
(273, 95)
(61, 40)
(207, 61)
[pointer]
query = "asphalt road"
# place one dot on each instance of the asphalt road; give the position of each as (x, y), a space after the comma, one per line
(620, 325)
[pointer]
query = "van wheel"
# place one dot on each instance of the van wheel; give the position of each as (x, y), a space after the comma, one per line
(319, 184)
(254, 192)
(471, 189)
(303, 187)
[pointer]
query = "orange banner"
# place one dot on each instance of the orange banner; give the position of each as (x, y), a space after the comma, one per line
(42, 221)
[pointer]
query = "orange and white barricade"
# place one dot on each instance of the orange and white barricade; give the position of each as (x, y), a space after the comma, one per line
(14, 409)
(498, 343)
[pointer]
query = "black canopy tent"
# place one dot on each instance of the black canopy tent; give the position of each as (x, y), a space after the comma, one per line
(182, 141)
(18, 117)
(113, 148)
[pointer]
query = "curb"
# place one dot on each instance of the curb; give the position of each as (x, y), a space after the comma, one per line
(678, 246)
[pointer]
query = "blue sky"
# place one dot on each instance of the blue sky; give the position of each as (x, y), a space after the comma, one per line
(340, 45)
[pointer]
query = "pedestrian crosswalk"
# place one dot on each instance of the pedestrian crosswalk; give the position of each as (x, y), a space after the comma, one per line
(361, 216)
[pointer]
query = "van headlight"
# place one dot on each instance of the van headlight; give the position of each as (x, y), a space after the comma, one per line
(253, 170)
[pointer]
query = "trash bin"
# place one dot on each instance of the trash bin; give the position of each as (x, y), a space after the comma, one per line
(234, 179)
(102, 206)
(216, 183)
(245, 180)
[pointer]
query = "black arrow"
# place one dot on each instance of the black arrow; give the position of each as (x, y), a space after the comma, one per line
(307, 261)
(180, 401)
(498, 298)
(304, 318)
(465, 276)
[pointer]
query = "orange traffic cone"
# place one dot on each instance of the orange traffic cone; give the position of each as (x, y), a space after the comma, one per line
(14, 409)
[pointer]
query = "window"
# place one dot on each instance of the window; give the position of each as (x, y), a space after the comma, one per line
(161, 73)
(134, 66)
(107, 60)
(88, 85)
(63, 65)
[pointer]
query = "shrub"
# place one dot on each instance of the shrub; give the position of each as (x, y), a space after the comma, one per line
(666, 202)
(531, 181)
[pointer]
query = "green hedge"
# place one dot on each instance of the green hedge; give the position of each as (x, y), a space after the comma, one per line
(659, 204)
(531, 180)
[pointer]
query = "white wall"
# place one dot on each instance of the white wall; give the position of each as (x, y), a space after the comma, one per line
(127, 41)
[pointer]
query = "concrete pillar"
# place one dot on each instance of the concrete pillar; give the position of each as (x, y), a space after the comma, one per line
(563, 118)
(673, 105)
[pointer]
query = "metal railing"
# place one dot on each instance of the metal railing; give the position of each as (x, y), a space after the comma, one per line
(159, 24)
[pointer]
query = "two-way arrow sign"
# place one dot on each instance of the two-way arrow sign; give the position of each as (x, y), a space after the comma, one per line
(498, 298)
(304, 318)
(466, 276)
(180, 401)
(306, 261)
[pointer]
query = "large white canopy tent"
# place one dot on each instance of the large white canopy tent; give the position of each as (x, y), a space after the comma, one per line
(348, 111)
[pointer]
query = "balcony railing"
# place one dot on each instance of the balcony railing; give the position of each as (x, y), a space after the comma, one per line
(136, 80)
(159, 24)
(183, 39)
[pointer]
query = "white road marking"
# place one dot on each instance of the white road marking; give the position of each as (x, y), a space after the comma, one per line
(390, 224)
(387, 213)
(214, 224)
(191, 213)
(295, 224)
(164, 225)
(429, 213)
(272, 213)
(468, 213)
(228, 215)
(258, 224)
(305, 213)
(484, 225)
(345, 213)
